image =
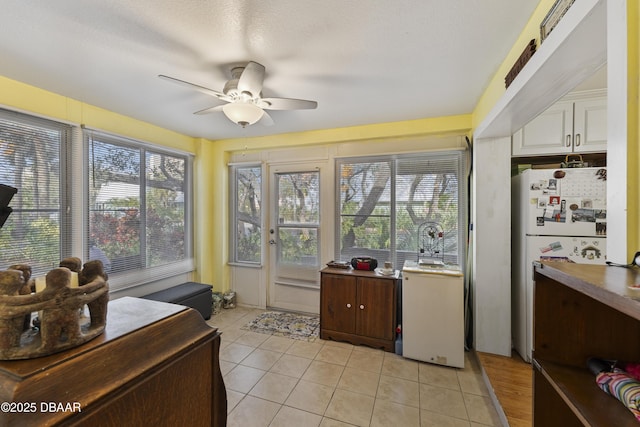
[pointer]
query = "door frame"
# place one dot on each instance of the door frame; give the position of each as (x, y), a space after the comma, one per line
(307, 292)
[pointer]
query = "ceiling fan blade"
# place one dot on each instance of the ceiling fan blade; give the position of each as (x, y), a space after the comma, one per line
(251, 79)
(266, 119)
(287, 104)
(202, 89)
(210, 110)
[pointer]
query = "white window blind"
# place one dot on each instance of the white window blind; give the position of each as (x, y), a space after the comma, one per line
(138, 211)
(32, 159)
(383, 200)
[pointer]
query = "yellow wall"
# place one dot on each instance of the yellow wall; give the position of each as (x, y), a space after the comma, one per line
(212, 251)
(210, 179)
(22, 97)
(496, 87)
(211, 157)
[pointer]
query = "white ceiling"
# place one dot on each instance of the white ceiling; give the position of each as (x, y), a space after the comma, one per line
(363, 61)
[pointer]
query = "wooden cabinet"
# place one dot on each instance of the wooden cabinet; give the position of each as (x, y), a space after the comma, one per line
(359, 307)
(156, 364)
(569, 126)
(582, 311)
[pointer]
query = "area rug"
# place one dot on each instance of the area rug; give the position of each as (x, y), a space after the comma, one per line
(289, 325)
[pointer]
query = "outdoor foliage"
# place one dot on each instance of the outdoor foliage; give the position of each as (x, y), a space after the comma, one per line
(248, 181)
(30, 162)
(298, 217)
(382, 204)
(141, 231)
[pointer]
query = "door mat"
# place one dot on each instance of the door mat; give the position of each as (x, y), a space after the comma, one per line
(289, 325)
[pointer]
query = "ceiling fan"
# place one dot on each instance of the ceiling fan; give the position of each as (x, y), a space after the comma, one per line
(243, 94)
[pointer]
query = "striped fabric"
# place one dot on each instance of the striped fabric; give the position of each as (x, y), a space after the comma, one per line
(622, 386)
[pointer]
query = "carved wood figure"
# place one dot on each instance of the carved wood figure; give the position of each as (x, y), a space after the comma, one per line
(58, 305)
(91, 271)
(11, 281)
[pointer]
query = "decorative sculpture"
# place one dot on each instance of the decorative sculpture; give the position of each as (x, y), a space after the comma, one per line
(59, 307)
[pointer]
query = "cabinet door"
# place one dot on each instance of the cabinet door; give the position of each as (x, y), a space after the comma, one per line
(590, 125)
(376, 308)
(338, 303)
(549, 133)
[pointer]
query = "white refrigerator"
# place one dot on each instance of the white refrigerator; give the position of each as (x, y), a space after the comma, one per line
(557, 215)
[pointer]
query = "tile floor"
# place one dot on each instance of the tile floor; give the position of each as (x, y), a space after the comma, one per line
(276, 381)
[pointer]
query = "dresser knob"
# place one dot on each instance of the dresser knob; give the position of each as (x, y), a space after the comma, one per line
(361, 306)
(348, 305)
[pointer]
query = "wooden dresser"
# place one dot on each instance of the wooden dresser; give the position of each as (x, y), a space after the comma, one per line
(156, 364)
(359, 307)
(582, 311)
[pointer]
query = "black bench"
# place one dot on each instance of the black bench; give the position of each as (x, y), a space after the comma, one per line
(190, 294)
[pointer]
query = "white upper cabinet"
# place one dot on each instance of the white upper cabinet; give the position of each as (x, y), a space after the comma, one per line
(576, 124)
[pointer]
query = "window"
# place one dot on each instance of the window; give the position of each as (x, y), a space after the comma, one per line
(32, 159)
(138, 214)
(383, 201)
(246, 213)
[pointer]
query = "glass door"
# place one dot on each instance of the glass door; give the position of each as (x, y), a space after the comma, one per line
(294, 238)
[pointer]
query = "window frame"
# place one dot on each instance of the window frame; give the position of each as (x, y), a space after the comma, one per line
(64, 180)
(234, 215)
(393, 161)
(138, 276)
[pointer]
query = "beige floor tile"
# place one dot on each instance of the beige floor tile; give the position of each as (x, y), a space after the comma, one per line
(440, 376)
(252, 412)
(279, 344)
(360, 381)
(235, 352)
(443, 401)
(242, 378)
(252, 339)
(481, 410)
(328, 422)
(471, 361)
(353, 408)
(225, 366)
(389, 414)
(432, 419)
(323, 373)
(231, 334)
(336, 384)
(340, 344)
(472, 382)
(310, 397)
(334, 354)
(261, 359)
(397, 366)
(233, 398)
(370, 350)
(292, 417)
(274, 387)
(305, 349)
(293, 366)
(367, 361)
(399, 390)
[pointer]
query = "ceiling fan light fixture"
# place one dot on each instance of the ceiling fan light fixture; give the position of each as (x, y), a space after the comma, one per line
(243, 113)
